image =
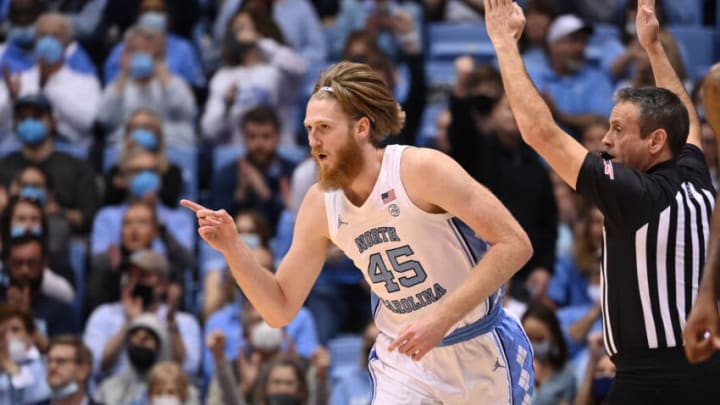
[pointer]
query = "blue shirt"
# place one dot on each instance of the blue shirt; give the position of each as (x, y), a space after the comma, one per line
(18, 60)
(180, 58)
(353, 389)
(228, 320)
(587, 91)
(29, 386)
(107, 227)
(567, 317)
(568, 287)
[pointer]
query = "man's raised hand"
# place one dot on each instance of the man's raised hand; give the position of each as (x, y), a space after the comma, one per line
(504, 20)
(647, 24)
(217, 228)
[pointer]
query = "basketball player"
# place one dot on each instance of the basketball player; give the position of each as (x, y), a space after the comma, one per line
(397, 212)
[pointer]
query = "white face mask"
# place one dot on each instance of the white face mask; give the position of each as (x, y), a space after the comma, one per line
(165, 400)
(17, 349)
(265, 338)
(65, 391)
(594, 292)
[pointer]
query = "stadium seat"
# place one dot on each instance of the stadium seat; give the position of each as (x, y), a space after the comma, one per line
(697, 46)
(427, 132)
(80, 152)
(447, 41)
(440, 77)
(344, 355)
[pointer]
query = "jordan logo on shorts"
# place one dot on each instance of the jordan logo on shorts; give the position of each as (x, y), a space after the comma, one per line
(497, 365)
(341, 222)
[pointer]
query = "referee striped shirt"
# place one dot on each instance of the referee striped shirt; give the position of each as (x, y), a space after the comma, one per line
(655, 236)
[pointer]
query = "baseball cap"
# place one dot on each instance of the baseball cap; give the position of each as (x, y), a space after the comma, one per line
(150, 261)
(566, 24)
(38, 101)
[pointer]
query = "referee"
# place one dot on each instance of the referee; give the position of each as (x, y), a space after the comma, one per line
(657, 197)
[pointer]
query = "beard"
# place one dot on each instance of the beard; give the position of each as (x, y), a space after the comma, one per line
(348, 164)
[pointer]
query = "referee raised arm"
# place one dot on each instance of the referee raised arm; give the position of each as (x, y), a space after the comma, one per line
(654, 188)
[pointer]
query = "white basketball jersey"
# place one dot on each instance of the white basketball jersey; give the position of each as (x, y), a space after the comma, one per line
(410, 258)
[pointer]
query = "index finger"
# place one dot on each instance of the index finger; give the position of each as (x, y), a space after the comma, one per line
(191, 205)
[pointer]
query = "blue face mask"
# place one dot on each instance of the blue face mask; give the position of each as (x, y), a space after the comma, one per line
(542, 350)
(64, 392)
(22, 36)
(145, 138)
(143, 183)
(34, 193)
(154, 20)
(601, 387)
(18, 230)
(142, 65)
(49, 49)
(32, 131)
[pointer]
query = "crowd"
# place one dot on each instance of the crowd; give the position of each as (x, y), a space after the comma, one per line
(113, 110)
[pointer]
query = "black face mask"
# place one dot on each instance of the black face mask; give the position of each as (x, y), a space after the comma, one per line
(141, 358)
(240, 49)
(145, 293)
(282, 399)
(481, 103)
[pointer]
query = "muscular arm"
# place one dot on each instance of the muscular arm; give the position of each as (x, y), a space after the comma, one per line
(534, 118)
(436, 182)
(647, 30)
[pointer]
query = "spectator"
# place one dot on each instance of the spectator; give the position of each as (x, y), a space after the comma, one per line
(168, 384)
(22, 381)
(73, 180)
(598, 374)
(642, 73)
(140, 229)
(35, 184)
(69, 367)
(297, 20)
(554, 380)
(145, 289)
(144, 341)
(593, 133)
(74, 95)
(539, 14)
(501, 161)
(144, 130)
(259, 180)
(282, 381)
(144, 81)
(141, 170)
(710, 150)
(576, 90)
(27, 25)
(25, 259)
(178, 53)
(453, 10)
(23, 216)
(258, 70)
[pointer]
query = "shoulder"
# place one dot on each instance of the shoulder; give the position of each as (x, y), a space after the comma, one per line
(105, 312)
(424, 164)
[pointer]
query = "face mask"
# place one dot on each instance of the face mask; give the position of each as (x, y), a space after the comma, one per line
(264, 338)
(542, 350)
(32, 132)
(601, 387)
(141, 358)
(154, 20)
(594, 292)
(143, 183)
(142, 65)
(282, 399)
(18, 230)
(240, 48)
(34, 193)
(24, 37)
(17, 349)
(165, 400)
(65, 391)
(144, 292)
(482, 103)
(252, 240)
(145, 138)
(49, 49)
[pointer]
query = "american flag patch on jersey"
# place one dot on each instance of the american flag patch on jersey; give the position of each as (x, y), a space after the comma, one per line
(608, 169)
(388, 196)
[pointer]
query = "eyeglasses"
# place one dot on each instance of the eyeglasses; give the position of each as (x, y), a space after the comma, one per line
(60, 360)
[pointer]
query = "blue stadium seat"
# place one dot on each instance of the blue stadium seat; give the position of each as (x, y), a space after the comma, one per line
(78, 262)
(447, 41)
(697, 46)
(440, 73)
(344, 355)
(427, 132)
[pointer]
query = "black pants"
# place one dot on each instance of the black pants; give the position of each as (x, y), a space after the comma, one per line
(672, 381)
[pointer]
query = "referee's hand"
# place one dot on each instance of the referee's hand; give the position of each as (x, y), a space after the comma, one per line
(702, 331)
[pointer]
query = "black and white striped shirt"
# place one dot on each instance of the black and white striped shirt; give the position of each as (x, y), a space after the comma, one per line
(655, 236)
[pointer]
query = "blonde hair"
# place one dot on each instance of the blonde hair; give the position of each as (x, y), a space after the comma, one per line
(167, 371)
(361, 92)
(156, 124)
